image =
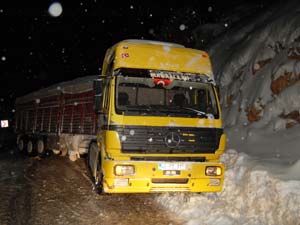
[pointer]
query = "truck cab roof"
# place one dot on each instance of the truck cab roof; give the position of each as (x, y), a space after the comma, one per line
(157, 55)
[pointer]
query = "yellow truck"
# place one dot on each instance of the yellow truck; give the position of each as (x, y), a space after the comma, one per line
(159, 121)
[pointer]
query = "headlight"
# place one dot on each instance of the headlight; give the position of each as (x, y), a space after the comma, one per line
(213, 171)
(124, 170)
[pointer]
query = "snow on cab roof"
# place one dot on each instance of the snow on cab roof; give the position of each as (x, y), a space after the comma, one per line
(170, 44)
(157, 55)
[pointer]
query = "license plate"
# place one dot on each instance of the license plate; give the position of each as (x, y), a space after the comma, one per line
(172, 166)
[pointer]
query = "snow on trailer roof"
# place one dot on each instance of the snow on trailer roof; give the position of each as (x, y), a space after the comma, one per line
(78, 85)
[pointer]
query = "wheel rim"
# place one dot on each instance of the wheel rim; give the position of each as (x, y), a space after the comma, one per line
(29, 147)
(40, 146)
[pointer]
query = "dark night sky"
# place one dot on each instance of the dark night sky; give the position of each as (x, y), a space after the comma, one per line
(38, 50)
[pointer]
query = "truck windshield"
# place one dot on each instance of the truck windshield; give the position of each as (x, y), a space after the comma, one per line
(163, 93)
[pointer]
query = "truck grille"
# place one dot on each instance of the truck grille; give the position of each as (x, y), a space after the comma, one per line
(155, 140)
(169, 180)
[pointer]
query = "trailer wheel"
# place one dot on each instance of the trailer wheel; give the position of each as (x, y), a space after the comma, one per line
(40, 146)
(29, 147)
(21, 145)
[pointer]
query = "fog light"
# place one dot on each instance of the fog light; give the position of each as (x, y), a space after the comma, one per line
(124, 170)
(213, 171)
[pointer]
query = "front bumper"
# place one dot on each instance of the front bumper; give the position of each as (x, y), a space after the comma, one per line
(151, 177)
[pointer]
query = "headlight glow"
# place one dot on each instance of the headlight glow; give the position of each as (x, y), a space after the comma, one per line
(213, 171)
(124, 170)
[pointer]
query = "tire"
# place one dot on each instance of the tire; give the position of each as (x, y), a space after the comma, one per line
(29, 148)
(93, 146)
(98, 179)
(21, 145)
(40, 147)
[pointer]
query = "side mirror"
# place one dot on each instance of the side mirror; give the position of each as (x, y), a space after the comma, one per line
(98, 87)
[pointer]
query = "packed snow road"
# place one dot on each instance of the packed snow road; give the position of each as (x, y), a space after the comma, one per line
(54, 190)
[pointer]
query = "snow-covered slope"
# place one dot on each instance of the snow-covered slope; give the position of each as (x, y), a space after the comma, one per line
(257, 65)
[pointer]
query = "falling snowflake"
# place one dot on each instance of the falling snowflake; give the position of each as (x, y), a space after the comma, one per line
(226, 24)
(3, 58)
(131, 7)
(151, 31)
(55, 9)
(182, 27)
(210, 9)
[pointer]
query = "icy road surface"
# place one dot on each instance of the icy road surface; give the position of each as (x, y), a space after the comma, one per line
(55, 190)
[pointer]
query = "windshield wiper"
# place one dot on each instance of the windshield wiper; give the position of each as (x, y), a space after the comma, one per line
(199, 113)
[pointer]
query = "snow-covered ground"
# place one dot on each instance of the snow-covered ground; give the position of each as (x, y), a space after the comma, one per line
(252, 194)
(257, 66)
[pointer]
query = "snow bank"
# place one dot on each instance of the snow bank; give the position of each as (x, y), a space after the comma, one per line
(257, 66)
(251, 195)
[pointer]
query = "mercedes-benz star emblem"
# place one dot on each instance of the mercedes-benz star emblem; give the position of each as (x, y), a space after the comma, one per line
(172, 139)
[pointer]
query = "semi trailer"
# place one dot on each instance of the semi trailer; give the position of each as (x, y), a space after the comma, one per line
(151, 122)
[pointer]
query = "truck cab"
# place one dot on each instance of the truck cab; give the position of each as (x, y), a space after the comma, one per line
(159, 121)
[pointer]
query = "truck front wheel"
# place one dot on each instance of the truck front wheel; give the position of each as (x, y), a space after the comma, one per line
(94, 167)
